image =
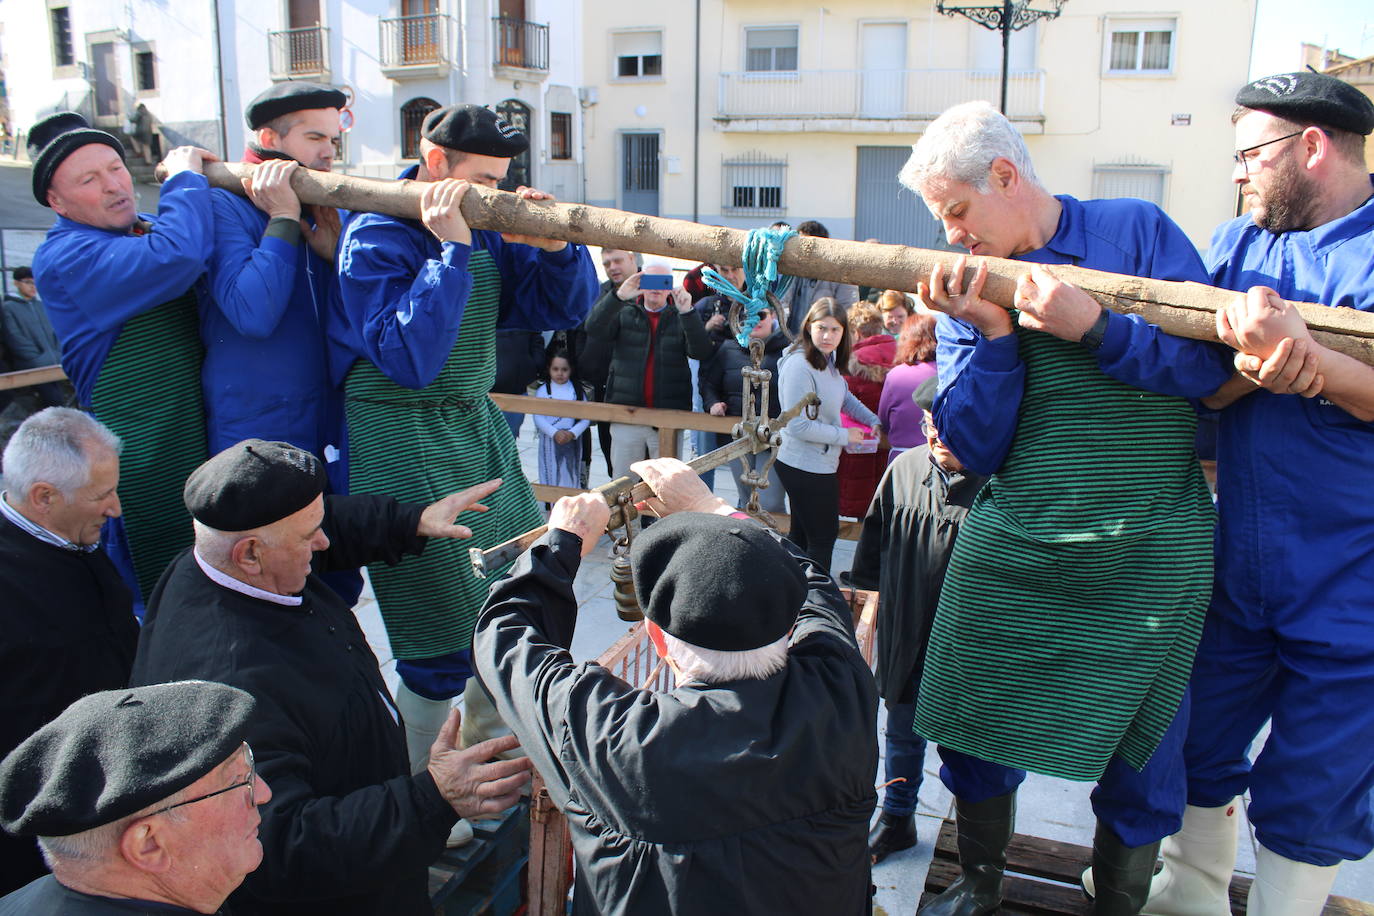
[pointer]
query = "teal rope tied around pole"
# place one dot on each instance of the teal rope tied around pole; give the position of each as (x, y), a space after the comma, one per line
(761, 252)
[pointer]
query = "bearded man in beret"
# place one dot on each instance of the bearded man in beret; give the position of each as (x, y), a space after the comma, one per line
(120, 287)
(414, 351)
(747, 788)
(350, 830)
(143, 800)
(1289, 636)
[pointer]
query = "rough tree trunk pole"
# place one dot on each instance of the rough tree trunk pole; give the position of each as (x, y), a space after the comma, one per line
(1184, 309)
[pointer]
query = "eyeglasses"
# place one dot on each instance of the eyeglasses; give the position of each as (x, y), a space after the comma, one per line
(1239, 155)
(250, 782)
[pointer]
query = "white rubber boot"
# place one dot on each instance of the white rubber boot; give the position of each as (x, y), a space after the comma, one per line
(423, 718)
(1284, 887)
(1198, 861)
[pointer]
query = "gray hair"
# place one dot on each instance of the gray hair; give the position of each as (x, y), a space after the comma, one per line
(99, 843)
(217, 547)
(56, 446)
(717, 666)
(961, 145)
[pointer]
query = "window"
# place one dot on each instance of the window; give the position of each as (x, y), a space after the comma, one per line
(517, 114)
(62, 37)
(560, 135)
(1140, 46)
(1142, 180)
(145, 73)
(638, 54)
(770, 49)
(412, 117)
(754, 184)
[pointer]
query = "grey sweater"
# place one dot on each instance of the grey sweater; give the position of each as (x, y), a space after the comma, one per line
(815, 445)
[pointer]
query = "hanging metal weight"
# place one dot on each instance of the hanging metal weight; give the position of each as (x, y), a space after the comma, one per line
(626, 604)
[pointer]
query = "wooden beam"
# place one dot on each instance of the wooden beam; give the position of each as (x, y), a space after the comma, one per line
(26, 377)
(615, 413)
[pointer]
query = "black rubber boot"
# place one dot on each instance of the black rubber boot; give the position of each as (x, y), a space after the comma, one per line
(1121, 873)
(894, 833)
(985, 829)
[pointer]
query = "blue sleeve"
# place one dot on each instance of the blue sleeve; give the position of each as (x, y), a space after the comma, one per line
(109, 278)
(251, 275)
(1139, 353)
(981, 383)
(542, 290)
(403, 307)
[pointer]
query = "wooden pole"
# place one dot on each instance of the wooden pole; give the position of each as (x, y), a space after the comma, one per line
(1184, 309)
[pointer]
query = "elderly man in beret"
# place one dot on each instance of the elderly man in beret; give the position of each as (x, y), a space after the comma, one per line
(1289, 638)
(67, 617)
(350, 829)
(120, 290)
(419, 306)
(747, 788)
(143, 800)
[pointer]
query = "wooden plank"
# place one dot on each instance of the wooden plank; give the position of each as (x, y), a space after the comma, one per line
(614, 413)
(669, 442)
(26, 377)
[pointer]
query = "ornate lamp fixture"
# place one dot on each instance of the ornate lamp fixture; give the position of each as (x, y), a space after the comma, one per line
(1005, 17)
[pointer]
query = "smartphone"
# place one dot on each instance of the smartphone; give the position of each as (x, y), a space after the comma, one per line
(656, 281)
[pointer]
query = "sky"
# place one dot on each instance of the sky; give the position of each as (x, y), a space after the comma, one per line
(1282, 25)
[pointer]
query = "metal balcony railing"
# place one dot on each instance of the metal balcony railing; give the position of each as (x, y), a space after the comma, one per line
(517, 43)
(296, 53)
(877, 94)
(417, 41)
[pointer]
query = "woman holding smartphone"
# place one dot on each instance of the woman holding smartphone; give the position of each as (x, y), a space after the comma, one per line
(810, 450)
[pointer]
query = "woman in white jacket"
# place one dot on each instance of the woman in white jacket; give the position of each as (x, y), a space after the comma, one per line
(810, 450)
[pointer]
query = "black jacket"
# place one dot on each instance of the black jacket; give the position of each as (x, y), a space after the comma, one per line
(720, 379)
(68, 630)
(348, 829)
(749, 797)
(626, 327)
(907, 538)
(45, 897)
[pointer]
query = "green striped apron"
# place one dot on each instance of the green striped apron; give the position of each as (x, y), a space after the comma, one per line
(421, 445)
(1076, 592)
(148, 394)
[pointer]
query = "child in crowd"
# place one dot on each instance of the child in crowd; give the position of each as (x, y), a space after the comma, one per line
(560, 443)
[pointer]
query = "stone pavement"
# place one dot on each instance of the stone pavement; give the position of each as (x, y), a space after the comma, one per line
(1051, 808)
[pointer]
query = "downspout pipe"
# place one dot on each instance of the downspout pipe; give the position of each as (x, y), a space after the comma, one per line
(696, 121)
(219, 83)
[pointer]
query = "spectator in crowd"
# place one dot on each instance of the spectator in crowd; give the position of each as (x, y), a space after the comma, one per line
(519, 356)
(870, 360)
(903, 549)
(67, 617)
(896, 307)
(29, 337)
(804, 292)
(722, 391)
(651, 342)
(714, 310)
(560, 438)
(143, 800)
(900, 414)
(349, 830)
(810, 452)
(747, 788)
(592, 353)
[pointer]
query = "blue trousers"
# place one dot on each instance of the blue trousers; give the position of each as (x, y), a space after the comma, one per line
(1140, 807)
(440, 678)
(904, 757)
(1311, 674)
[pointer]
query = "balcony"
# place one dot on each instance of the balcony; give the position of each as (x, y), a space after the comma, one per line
(299, 53)
(417, 47)
(872, 101)
(520, 47)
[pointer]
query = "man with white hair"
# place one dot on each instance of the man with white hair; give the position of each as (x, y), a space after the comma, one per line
(1076, 592)
(67, 615)
(747, 788)
(143, 800)
(650, 345)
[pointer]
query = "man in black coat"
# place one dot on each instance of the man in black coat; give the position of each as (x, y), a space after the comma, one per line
(67, 617)
(349, 830)
(747, 788)
(908, 535)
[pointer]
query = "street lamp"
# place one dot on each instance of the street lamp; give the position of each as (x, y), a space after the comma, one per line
(1005, 17)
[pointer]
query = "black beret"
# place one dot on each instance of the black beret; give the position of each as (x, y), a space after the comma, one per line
(55, 138)
(924, 395)
(474, 129)
(253, 484)
(113, 753)
(1314, 97)
(296, 95)
(715, 582)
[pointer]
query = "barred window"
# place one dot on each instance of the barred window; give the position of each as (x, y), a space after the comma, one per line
(1141, 180)
(62, 37)
(754, 184)
(560, 135)
(412, 116)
